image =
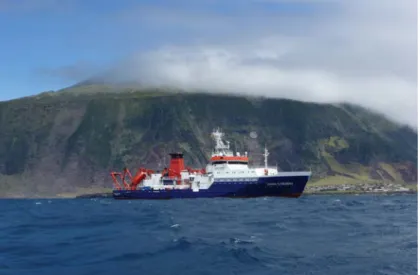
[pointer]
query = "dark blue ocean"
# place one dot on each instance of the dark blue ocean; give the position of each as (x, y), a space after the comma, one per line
(343, 234)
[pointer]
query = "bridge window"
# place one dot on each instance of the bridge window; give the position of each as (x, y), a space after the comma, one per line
(237, 162)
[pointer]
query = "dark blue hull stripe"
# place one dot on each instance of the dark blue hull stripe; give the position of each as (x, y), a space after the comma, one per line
(292, 186)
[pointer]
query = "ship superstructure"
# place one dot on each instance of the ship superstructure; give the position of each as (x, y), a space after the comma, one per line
(227, 174)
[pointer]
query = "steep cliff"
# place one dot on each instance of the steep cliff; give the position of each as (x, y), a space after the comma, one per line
(70, 140)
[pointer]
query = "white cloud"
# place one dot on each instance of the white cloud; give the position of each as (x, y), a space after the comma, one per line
(362, 52)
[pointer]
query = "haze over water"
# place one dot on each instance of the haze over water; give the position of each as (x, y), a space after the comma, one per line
(363, 234)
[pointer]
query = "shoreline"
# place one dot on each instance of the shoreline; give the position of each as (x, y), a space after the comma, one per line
(109, 195)
(329, 193)
(306, 193)
(360, 193)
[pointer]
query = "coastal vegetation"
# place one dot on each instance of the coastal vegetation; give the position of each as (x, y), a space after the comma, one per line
(67, 142)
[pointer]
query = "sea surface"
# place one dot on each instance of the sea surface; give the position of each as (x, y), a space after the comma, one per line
(334, 234)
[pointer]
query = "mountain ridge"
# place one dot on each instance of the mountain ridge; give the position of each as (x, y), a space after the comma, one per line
(62, 141)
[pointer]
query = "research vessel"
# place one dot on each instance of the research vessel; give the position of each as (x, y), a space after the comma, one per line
(226, 175)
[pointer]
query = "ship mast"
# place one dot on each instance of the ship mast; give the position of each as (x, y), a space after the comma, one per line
(266, 153)
(221, 148)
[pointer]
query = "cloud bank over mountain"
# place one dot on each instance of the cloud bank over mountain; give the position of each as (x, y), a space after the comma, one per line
(361, 52)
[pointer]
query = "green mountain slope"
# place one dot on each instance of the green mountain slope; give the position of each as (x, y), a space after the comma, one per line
(64, 142)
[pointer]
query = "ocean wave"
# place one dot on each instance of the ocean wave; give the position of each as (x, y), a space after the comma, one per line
(314, 235)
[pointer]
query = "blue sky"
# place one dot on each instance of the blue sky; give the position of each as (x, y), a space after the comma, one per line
(44, 39)
(358, 51)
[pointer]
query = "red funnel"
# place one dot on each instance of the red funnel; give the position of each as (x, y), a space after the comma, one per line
(177, 163)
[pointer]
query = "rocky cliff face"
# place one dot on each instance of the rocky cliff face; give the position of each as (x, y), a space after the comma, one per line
(61, 142)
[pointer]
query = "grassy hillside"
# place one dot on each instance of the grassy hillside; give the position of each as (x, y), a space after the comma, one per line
(64, 142)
